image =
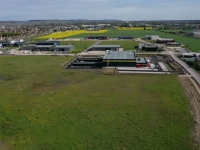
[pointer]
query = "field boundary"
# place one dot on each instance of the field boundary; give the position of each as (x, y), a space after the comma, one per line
(193, 95)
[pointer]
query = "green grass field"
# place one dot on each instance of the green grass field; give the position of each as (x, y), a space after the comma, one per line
(44, 107)
(190, 43)
(79, 45)
(127, 45)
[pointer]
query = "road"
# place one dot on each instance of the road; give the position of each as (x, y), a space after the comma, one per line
(96, 43)
(190, 70)
(174, 56)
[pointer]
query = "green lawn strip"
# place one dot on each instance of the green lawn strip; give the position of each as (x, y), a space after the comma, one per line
(78, 45)
(127, 45)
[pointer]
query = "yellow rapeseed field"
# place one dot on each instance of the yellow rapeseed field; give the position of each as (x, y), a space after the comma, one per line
(134, 28)
(69, 33)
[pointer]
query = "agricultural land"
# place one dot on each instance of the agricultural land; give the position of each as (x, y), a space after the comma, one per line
(190, 43)
(43, 106)
(70, 33)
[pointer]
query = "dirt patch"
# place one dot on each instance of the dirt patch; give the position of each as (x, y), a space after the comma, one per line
(3, 146)
(194, 98)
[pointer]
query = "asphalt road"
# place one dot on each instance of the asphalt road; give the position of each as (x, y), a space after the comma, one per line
(190, 70)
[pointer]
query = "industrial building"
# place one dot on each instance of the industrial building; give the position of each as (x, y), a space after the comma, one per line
(195, 33)
(152, 37)
(64, 48)
(46, 43)
(110, 59)
(44, 48)
(97, 37)
(147, 48)
(28, 47)
(164, 41)
(119, 58)
(104, 48)
(174, 44)
(123, 38)
(17, 42)
(197, 62)
(141, 62)
(4, 43)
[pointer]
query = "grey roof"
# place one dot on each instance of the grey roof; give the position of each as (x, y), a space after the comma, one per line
(119, 55)
(163, 39)
(4, 42)
(141, 60)
(106, 46)
(44, 46)
(63, 46)
(150, 46)
(28, 46)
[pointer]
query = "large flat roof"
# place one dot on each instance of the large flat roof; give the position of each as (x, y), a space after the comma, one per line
(141, 60)
(120, 55)
(63, 46)
(44, 46)
(106, 46)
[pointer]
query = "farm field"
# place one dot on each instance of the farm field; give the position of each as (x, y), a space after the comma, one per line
(127, 45)
(190, 43)
(79, 45)
(45, 107)
(69, 33)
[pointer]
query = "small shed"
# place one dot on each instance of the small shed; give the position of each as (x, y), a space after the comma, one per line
(63, 48)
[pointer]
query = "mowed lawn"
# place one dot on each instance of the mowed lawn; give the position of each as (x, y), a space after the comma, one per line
(127, 45)
(45, 107)
(79, 46)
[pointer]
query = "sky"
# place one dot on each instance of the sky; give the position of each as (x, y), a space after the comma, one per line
(126, 10)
